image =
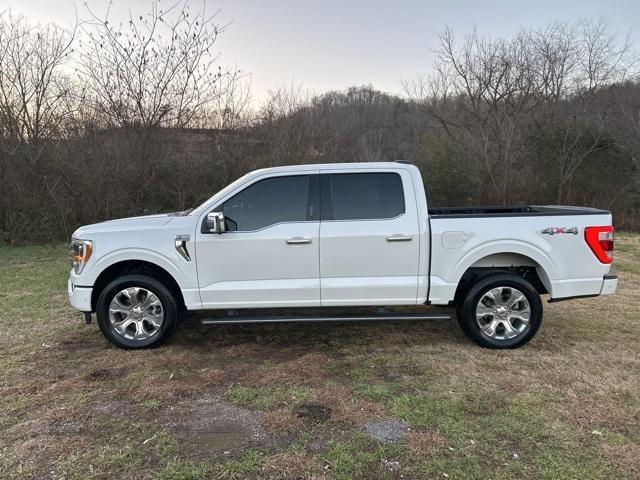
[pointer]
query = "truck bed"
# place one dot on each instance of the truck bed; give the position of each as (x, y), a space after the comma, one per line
(513, 211)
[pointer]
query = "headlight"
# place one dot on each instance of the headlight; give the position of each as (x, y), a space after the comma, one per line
(81, 251)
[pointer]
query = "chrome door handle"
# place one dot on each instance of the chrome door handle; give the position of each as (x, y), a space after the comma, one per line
(298, 241)
(399, 238)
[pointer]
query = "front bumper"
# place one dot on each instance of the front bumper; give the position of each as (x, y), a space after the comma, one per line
(79, 297)
(609, 284)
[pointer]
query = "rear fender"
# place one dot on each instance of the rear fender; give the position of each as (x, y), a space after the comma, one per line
(545, 266)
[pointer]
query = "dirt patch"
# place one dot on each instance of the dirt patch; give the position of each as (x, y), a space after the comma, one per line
(210, 427)
(73, 344)
(112, 408)
(313, 411)
(207, 427)
(386, 431)
(106, 374)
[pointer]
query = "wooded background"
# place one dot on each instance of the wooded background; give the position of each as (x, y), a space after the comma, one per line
(102, 121)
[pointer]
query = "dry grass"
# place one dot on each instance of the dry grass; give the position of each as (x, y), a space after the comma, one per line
(626, 458)
(344, 406)
(292, 399)
(291, 466)
(283, 420)
(305, 370)
(426, 443)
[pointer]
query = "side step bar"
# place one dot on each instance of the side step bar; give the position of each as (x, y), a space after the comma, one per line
(227, 320)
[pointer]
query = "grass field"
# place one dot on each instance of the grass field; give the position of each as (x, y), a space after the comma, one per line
(368, 400)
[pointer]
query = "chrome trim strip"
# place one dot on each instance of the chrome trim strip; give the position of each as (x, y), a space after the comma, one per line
(292, 318)
(298, 241)
(181, 246)
(399, 238)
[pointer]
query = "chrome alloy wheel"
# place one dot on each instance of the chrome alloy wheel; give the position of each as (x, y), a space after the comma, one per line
(503, 313)
(136, 313)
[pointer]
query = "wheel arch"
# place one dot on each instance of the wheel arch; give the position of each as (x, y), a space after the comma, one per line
(144, 267)
(523, 260)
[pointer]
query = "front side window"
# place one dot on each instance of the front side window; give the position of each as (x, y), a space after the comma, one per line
(267, 202)
(364, 196)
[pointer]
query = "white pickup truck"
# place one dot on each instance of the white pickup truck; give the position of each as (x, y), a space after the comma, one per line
(338, 235)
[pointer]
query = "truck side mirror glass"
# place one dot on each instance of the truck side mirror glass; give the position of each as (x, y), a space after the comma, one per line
(216, 222)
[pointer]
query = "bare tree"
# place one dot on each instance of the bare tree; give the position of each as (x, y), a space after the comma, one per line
(603, 58)
(34, 88)
(157, 70)
(490, 93)
(482, 90)
(581, 59)
(232, 108)
(284, 100)
(35, 104)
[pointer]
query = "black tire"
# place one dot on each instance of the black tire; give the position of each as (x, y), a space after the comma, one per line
(466, 310)
(168, 302)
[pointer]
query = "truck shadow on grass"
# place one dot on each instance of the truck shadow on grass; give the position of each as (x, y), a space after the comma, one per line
(305, 334)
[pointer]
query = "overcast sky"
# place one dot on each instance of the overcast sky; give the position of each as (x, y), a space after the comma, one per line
(333, 44)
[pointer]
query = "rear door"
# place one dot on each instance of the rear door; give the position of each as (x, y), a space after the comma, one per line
(369, 238)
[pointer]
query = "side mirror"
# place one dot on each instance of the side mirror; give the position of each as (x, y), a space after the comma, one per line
(216, 222)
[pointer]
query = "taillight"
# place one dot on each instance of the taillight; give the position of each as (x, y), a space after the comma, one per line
(600, 241)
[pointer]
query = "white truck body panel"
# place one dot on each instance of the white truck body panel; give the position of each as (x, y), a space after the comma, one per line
(259, 269)
(565, 263)
(344, 262)
(361, 265)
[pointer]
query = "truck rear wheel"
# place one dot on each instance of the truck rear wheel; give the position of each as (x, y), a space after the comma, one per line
(137, 311)
(500, 311)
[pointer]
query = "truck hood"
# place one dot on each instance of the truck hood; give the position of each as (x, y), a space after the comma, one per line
(144, 222)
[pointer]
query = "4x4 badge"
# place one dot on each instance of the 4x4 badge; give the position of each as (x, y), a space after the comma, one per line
(559, 230)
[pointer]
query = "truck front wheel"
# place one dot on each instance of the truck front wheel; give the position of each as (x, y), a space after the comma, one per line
(500, 311)
(137, 311)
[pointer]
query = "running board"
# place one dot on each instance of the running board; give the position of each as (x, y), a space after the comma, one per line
(337, 318)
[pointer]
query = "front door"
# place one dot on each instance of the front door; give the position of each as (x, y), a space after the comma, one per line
(369, 239)
(269, 255)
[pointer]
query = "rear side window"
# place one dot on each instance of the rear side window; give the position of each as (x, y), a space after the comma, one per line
(267, 202)
(362, 196)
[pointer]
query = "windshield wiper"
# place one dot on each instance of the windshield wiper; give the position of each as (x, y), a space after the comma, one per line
(181, 213)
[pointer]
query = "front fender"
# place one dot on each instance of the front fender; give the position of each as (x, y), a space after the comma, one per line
(138, 254)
